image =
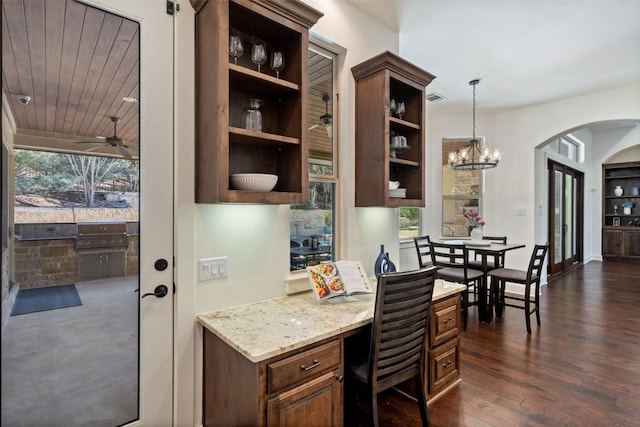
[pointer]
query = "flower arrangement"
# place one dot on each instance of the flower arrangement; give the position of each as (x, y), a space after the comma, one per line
(635, 221)
(473, 217)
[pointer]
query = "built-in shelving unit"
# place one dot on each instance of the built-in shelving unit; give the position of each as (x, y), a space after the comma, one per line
(223, 89)
(379, 80)
(620, 239)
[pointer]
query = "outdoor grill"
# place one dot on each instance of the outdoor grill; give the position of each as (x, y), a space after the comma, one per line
(102, 235)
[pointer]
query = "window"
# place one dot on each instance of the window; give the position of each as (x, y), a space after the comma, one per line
(312, 225)
(409, 222)
(460, 189)
(570, 147)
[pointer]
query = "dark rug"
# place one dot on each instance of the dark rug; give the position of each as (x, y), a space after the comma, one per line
(43, 299)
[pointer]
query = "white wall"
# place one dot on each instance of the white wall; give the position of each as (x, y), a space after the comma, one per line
(518, 181)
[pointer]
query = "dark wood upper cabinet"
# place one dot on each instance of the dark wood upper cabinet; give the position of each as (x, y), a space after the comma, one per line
(223, 89)
(379, 80)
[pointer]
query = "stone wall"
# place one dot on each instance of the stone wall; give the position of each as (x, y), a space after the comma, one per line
(40, 263)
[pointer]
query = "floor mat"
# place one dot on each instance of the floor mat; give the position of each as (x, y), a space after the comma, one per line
(43, 299)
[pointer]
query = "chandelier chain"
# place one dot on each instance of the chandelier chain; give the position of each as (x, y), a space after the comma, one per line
(474, 111)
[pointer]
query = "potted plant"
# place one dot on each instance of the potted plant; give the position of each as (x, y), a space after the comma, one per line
(327, 223)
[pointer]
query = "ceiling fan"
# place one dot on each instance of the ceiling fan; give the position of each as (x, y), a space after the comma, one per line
(113, 141)
(326, 119)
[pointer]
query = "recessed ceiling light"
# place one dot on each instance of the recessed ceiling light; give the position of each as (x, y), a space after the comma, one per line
(129, 99)
(101, 137)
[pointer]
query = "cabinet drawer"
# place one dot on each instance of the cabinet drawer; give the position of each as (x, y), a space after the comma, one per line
(303, 366)
(444, 365)
(445, 320)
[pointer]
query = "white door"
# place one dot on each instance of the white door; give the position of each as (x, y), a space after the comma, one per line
(156, 204)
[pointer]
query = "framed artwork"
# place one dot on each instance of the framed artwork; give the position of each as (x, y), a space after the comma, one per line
(616, 222)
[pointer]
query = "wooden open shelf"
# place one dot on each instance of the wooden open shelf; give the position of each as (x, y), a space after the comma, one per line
(223, 90)
(378, 80)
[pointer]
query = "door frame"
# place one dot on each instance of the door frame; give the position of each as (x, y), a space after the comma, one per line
(576, 257)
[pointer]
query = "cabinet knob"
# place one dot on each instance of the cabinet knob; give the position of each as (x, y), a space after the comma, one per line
(339, 378)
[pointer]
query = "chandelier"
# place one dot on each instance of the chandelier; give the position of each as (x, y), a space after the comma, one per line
(474, 156)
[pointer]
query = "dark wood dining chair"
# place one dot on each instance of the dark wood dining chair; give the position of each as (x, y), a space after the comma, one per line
(476, 262)
(530, 277)
(452, 261)
(398, 334)
(423, 250)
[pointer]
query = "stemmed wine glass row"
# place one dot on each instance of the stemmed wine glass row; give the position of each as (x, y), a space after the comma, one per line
(259, 54)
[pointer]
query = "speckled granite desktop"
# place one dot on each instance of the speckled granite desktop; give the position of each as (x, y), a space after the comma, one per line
(268, 328)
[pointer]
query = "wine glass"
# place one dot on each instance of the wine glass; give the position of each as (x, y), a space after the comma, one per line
(277, 61)
(400, 109)
(236, 48)
(392, 106)
(259, 54)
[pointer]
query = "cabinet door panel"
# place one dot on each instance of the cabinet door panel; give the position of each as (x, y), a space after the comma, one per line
(316, 403)
(612, 243)
(632, 244)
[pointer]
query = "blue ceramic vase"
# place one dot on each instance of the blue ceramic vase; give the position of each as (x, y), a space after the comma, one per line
(383, 264)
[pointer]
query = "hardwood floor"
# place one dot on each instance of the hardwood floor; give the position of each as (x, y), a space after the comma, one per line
(581, 367)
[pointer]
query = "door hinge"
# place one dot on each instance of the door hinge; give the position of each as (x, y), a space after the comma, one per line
(171, 6)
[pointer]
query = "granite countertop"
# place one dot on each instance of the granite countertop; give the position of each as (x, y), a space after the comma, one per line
(272, 327)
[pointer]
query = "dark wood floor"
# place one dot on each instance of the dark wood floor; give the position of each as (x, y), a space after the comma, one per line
(580, 368)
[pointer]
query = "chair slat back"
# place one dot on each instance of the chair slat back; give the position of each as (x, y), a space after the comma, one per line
(499, 239)
(423, 250)
(536, 262)
(449, 255)
(400, 325)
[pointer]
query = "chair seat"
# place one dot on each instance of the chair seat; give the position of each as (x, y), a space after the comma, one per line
(453, 274)
(512, 275)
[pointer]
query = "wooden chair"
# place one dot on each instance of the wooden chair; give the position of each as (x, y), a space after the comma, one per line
(452, 262)
(398, 334)
(491, 265)
(423, 250)
(499, 278)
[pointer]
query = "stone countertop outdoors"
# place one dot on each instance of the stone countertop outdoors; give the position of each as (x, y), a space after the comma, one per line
(272, 327)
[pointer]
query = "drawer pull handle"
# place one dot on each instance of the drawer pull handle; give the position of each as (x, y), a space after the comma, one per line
(450, 319)
(310, 367)
(340, 378)
(448, 364)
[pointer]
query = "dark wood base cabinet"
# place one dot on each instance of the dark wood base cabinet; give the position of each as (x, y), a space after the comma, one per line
(282, 391)
(621, 244)
(305, 386)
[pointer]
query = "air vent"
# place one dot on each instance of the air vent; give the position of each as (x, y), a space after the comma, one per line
(435, 97)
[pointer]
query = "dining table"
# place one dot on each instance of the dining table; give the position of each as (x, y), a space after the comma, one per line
(486, 249)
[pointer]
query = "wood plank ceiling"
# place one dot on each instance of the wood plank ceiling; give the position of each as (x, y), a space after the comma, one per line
(320, 84)
(77, 63)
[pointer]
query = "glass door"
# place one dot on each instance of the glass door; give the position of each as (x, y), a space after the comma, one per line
(565, 217)
(104, 357)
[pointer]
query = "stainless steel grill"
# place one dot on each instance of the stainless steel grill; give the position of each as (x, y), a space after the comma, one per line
(101, 235)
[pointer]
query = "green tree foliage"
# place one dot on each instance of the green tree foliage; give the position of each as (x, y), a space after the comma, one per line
(44, 173)
(410, 213)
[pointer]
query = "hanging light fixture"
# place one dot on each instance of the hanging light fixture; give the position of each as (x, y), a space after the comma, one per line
(474, 156)
(326, 118)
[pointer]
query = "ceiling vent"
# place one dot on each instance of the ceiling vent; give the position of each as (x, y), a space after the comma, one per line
(435, 97)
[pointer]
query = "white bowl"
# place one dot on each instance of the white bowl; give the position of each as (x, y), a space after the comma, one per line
(261, 182)
(394, 185)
